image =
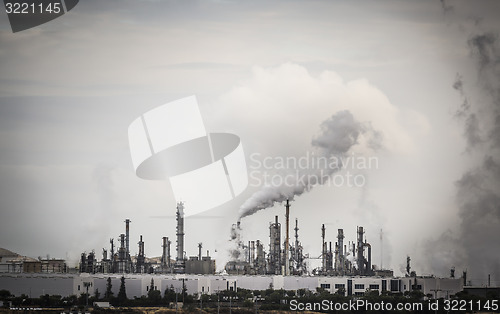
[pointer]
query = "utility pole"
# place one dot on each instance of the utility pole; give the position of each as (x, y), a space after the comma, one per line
(87, 284)
(218, 302)
(176, 307)
(435, 294)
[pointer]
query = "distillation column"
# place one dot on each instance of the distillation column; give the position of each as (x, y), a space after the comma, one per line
(275, 248)
(340, 244)
(164, 253)
(179, 261)
(360, 257)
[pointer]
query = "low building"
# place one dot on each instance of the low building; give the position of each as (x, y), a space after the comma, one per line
(137, 285)
(205, 266)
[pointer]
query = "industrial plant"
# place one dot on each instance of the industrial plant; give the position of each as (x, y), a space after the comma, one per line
(352, 259)
(121, 261)
(279, 263)
(282, 257)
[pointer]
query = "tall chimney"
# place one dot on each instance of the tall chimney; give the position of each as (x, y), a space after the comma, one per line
(323, 249)
(296, 240)
(369, 262)
(111, 241)
(287, 240)
(168, 253)
(340, 241)
(252, 253)
(200, 245)
(180, 232)
(122, 241)
(141, 246)
(127, 236)
(164, 253)
(360, 257)
(408, 267)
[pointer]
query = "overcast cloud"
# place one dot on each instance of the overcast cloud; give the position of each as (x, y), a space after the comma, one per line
(270, 72)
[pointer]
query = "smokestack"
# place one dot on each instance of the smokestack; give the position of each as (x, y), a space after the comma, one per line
(141, 246)
(381, 250)
(339, 260)
(369, 265)
(179, 261)
(296, 239)
(168, 253)
(252, 253)
(408, 268)
(200, 245)
(164, 253)
(180, 231)
(140, 257)
(127, 236)
(323, 248)
(287, 239)
(329, 264)
(111, 241)
(340, 241)
(360, 251)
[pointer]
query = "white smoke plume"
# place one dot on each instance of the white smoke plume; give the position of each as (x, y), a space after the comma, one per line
(338, 135)
(475, 247)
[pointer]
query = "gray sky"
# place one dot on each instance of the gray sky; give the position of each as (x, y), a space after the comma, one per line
(270, 72)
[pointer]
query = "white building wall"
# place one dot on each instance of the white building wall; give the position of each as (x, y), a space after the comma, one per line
(253, 282)
(278, 282)
(296, 283)
(204, 285)
(217, 283)
(138, 285)
(79, 284)
(35, 285)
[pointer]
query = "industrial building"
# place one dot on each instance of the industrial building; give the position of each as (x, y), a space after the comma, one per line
(122, 261)
(137, 285)
(346, 268)
(288, 258)
(11, 262)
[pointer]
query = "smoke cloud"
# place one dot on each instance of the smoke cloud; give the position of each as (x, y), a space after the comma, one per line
(338, 135)
(472, 131)
(475, 247)
(446, 7)
(478, 190)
